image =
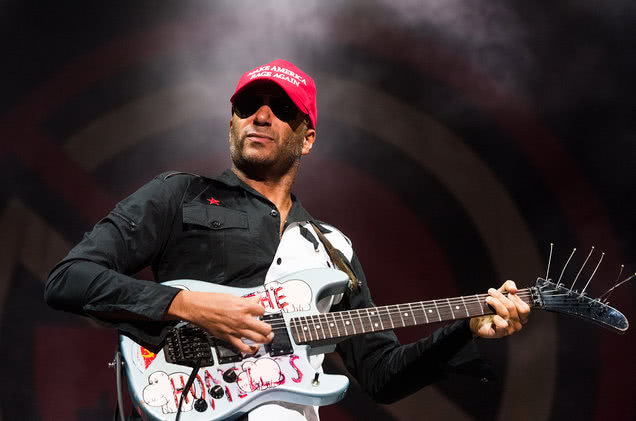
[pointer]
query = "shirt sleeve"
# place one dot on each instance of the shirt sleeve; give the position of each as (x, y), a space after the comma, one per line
(95, 280)
(389, 371)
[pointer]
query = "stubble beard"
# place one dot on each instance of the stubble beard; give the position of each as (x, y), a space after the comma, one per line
(286, 157)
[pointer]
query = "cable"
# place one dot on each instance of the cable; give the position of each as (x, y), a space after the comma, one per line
(188, 385)
(119, 410)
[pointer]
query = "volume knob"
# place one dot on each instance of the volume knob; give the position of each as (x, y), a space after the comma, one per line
(200, 405)
(229, 375)
(216, 391)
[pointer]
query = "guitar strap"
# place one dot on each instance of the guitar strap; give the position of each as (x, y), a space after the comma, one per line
(338, 259)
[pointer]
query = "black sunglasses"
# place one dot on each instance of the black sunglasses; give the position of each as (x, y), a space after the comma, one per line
(282, 107)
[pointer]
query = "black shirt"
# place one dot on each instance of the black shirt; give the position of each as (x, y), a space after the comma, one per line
(221, 230)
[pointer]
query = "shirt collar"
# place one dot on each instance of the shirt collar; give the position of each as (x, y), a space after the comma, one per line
(297, 213)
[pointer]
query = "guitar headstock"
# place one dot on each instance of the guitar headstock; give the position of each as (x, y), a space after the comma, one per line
(557, 298)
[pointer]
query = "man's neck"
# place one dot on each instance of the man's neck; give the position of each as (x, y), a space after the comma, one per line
(276, 189)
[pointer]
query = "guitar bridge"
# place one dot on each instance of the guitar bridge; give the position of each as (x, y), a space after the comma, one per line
(187, 344)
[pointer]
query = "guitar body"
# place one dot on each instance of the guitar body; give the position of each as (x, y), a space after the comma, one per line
(228, 385)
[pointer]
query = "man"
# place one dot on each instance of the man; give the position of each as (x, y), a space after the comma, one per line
(245, 228)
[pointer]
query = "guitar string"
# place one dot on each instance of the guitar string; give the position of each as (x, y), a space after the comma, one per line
(368, 327)
(386, 312)
(417, 310)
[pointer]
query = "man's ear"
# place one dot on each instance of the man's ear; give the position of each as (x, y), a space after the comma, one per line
(308, 141)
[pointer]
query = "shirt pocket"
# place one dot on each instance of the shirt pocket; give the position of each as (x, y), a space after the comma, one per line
(207, 237)
(197, 216)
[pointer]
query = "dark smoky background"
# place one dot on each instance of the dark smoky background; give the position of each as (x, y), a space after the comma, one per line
(456, 140)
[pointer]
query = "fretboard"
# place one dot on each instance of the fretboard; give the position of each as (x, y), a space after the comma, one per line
(327, 326)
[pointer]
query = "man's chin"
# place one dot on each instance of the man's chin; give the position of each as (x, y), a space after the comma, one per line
(254, 167)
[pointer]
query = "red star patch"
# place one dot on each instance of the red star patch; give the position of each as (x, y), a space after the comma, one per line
(213, 201)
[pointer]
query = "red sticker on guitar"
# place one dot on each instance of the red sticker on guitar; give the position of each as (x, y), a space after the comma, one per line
(148, 356)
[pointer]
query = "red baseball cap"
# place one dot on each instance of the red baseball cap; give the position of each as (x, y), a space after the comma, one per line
(300, 88)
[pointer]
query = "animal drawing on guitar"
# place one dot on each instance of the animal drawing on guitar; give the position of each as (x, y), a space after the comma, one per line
(162, 392)
(290, 296)
(261, 374)
(245, 230)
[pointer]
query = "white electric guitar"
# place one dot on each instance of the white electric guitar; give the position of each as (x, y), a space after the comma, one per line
(229, 384)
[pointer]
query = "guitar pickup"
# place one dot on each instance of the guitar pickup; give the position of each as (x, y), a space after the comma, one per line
(226, 352)
(281, 344)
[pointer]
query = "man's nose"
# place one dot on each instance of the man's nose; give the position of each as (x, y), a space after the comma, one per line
(263, 115)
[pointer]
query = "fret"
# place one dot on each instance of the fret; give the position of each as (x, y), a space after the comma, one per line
(425, 315)
(437, 309)
(413, 314)
(481, 305)
(363, 323)
(388, 312)
(321, 325)
(379, 311)
(324, 326)
(451, 308)
(375, 312)
(295, 325)
(400, 313)
(335, 323)
(292, 325)
(317, 328)
(465, 308)
(370, 321)
(352, 323)
(307, 329)
(328, 324)
(344, 324)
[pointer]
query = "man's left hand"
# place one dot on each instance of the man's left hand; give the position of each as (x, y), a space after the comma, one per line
(511, 313)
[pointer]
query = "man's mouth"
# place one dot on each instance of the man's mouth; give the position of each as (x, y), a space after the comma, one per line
(258, 137)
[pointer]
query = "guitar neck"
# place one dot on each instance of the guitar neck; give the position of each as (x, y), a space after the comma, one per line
(331, 327)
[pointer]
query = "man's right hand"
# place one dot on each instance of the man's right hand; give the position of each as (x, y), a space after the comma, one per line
(225, 316)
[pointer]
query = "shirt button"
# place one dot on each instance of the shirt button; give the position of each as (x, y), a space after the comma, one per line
(279, 261)
(274, 213)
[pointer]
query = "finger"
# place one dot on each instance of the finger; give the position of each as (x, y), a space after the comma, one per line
(239, 345)
(253, 306)
(499, 322)
(497, 304)
(257, 326)
(507, 302)
(523, 309)
(501, 327)
(256, 337)
(508, 286)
